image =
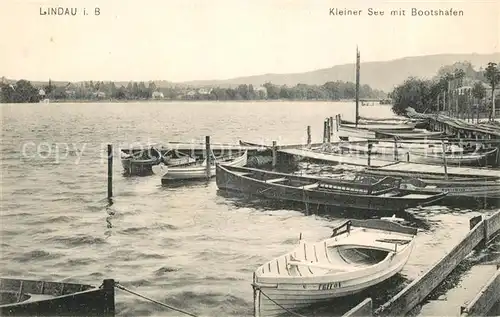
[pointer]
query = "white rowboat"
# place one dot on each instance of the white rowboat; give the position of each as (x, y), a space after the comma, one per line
(360, 254)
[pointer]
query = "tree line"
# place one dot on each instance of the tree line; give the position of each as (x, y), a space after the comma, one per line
(456, 88)
(25, 91)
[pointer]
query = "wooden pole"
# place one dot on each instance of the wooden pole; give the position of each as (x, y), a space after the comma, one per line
(337, 121)
(444, 101)
(369, 153)
(207, 155)
(275, 154)
(357, 86)
(308, 136)
(110, 171)
(497, 158)
(325, 130)
(328, 130)
(331, 126)
(444, 160)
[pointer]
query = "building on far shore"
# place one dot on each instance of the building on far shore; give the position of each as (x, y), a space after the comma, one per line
(157, 95)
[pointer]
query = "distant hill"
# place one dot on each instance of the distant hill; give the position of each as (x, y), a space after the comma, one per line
(378, 75)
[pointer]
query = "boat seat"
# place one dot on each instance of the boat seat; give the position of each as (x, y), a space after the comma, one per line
(242, 173)
(276, 180)
(310, 186)
(389, 194)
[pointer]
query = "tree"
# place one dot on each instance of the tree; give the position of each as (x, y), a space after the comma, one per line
(492, 74)
(416, 93)
(273, 91)
(22, 92)
(478, 91)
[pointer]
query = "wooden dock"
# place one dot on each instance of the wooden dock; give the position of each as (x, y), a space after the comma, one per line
(471, 284)
(482, 231)
(486, 299)
(329, 158)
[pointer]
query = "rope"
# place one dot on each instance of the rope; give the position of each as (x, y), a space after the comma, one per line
(117, 285)
(285, 309)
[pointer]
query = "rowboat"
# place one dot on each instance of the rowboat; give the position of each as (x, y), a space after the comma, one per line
(140, 162)
(382, 195)
(198, 170)
(21, 297)
(381, 131)
(387, 148)
(475, 158)
(425, 175)
(380, 134)
(358, 255)
(456, 188)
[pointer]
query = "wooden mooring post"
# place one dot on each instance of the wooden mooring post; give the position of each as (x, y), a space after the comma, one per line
(328, 130)
(207, 155)
(445, 164)
(275, 154)
(395, 149)
(325, 130)
(369, 153)
(308, 136)
(331, 126)
(110, 171)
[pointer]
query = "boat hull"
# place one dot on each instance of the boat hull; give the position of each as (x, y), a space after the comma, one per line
(479, 159)
(231, 180)
(275, 292)
(198, 172)
(267, 299)
(140, 163)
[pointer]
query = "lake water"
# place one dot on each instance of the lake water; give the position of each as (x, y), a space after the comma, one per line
(187, 246)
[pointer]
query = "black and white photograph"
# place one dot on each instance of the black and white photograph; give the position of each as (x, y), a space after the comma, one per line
(250, 158)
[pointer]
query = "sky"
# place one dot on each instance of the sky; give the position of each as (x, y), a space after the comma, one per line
(182, 40)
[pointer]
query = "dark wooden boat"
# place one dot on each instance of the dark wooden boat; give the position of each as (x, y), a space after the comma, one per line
(140, 162)
(383, 195)
(21, 297)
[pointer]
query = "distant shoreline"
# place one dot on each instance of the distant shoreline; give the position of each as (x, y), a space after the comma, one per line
(183, 100)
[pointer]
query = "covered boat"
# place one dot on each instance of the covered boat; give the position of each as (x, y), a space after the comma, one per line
(383, 195)
(475, 158)
(358, 255)
(198, 170)
(20, 297)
